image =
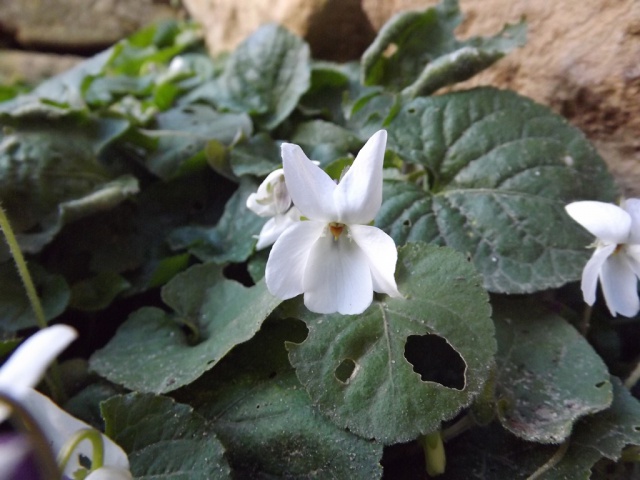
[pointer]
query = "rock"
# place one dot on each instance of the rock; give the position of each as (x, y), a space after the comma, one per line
(582, 58)
(335, 29)
(31, 68)
(77, 25)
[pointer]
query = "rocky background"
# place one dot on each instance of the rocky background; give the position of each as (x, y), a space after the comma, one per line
(582, 57)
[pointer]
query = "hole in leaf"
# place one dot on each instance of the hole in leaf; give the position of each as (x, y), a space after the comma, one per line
(407, 222)
(345, 370)
(600, 384)
(435, 360)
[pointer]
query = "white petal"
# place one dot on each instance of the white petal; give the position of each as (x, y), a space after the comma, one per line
(310, 188)
(27, 364)
(288, 258)
(382, 256)
(632, 207)
(58, 426)
(606, 221)
(275, 227)
(261, 208)
(619, 285)
(107, 473)
(337, 277)
(359, 193)
(272, 196)
(592, 270)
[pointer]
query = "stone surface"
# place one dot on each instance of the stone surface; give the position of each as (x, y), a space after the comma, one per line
(31, 68)
(77, 25)
(335, 29)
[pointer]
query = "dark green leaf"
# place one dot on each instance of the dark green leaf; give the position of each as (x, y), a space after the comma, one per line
(404, 365)
(152, 353)
(548, 375)
(15, 310)
(425, 54)
(163, 439)
(500, 171)
(232, 239)
(258, 156)
(97, 292)
(265, 420)
(266, 76)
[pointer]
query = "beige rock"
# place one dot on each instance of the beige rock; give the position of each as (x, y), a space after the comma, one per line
(582, 58)
(335, 29)
(31, 68)
(78, 25)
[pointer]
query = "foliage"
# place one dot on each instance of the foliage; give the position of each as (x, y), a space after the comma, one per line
(126, 180)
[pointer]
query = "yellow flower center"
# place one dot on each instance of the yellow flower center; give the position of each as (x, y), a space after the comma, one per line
(336, 229)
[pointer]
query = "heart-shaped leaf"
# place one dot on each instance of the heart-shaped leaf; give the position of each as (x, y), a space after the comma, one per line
(404, 365)
(500, 170)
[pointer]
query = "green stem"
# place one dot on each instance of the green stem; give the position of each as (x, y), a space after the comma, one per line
(552, 462)
(53, 380)
(633, 377)
(97, 448)
(23, 271)
(434, 456)
(585, 322)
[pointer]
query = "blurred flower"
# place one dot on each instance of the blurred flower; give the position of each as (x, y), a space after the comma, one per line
(22, 371)
(334, 256)
(616, 259)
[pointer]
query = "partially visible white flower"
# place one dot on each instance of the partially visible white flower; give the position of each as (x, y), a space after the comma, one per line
(276, 226)
(616, 259)
(23, 370)
(334, 256)
(272, 197)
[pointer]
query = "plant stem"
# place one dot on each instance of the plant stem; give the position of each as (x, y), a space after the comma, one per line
(585, 322)
(23, 271)
(633, 377)
(552, 462)
(53, 380)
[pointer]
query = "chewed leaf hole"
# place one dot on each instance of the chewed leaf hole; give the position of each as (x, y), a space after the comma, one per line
(345, 370)
(435, 360)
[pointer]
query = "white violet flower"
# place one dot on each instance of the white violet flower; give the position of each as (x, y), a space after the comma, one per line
(334, 256)
(272, 200)
(616, 259)
(21, 373)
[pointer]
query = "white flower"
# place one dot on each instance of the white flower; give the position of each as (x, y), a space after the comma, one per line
(616, 259)
(334, 257)
(272, 200)
(23, 370)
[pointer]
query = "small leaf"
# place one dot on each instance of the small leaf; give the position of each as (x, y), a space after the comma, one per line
(151, 352)
(258, 156)
(500, 171)
(163, 439)
(265, 418)
(97, 293)
(405, 365)
(266, 76)
(548, 375)
(417, 52)
(232, 239)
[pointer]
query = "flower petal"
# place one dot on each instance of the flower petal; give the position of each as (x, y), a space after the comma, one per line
(620, 286)
(27, 364)
(632, 207)
(592, 271)
(606, 221)
(108, 473)
(337, 277)
(275, 227)
(382, 256)
(288, 258)
(359, 194)
(310, 188)
(58, 426)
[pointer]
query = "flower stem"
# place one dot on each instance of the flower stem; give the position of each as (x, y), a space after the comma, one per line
(53, 379)
(585, 321)
(633, 377)
(434, 456)
(552, 462)
(97, 448)
(23, 271)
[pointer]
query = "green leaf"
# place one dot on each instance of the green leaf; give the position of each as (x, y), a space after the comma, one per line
(258, 156)
(266, 421)
(548, 374)
(97, 292)
(232, 239)
(417, 52)
(405, 365)
(184, 132)
(151, 352)
(15, 310)
(500, 170)
(266, 76)
(164, 439)
(323, 140)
